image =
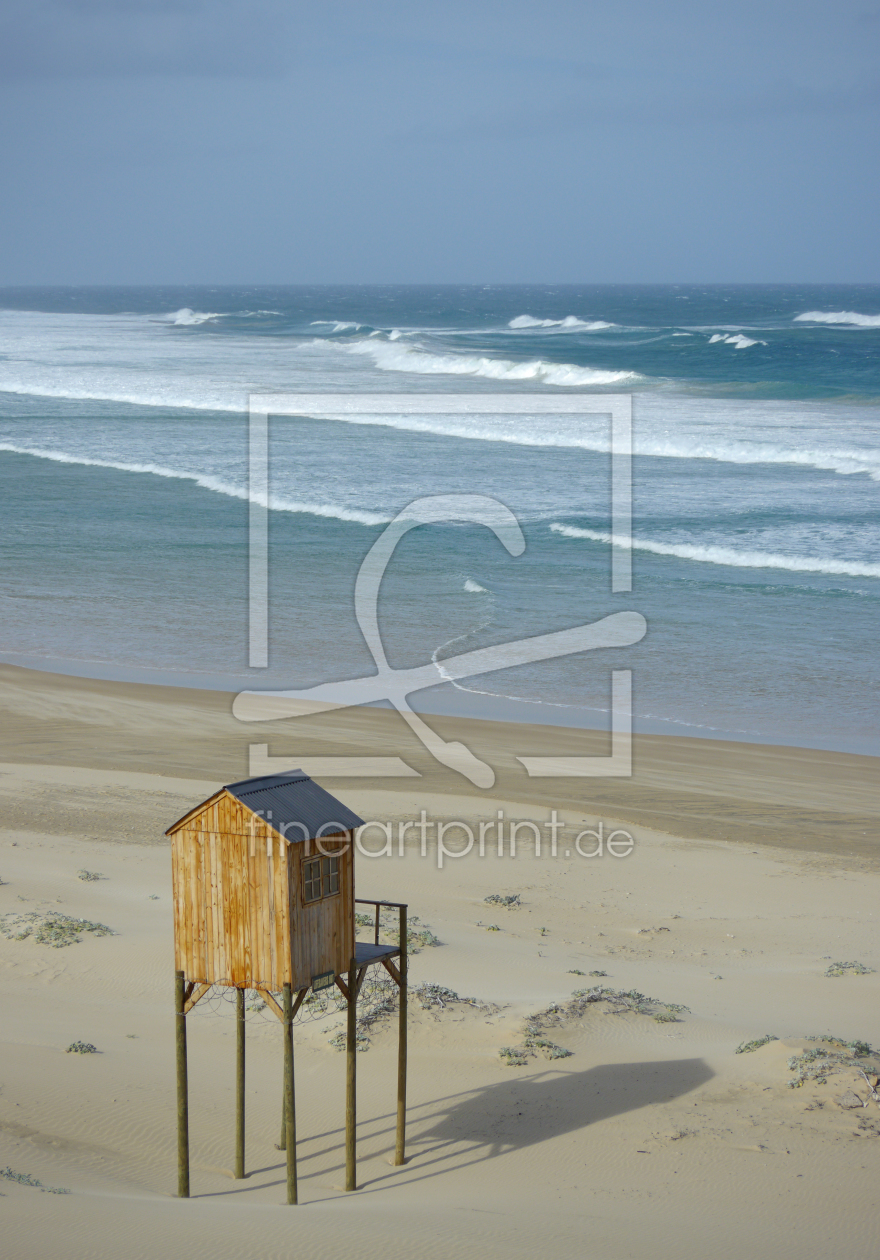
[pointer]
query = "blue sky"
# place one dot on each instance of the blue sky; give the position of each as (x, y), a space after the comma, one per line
(162, 141)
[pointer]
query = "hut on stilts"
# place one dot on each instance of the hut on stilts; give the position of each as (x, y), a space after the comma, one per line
(263, 878)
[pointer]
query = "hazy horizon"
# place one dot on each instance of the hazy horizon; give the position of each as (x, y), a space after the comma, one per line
(163, 142)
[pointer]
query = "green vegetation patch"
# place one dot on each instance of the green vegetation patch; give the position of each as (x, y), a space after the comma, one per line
(25, 1179)
(512, 1056)
(380, 998)
(848, 969)
(748, 1047)
(50, 927)
(829, 1056)
(558, 1015)
(418, 935)
(620, 1000)
(511, 902)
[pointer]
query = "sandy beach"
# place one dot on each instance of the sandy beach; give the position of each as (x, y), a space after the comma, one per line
(753, 870)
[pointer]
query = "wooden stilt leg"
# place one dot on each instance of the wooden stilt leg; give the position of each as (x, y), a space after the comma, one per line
(400, 1144)
(281, 1144)
(239, 1083)
(351, 1081)
(289, 1136)
(182, 1090)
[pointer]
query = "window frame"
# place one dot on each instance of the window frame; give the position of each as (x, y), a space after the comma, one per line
(329, 871)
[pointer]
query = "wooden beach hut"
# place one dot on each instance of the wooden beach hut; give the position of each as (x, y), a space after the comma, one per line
(264, 899)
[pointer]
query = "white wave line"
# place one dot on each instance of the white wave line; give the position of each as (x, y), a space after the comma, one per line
(724, 555)
(846, 463)
(216, 484)
(181, 403)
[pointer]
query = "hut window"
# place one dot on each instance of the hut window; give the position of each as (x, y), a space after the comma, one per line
(321, 878)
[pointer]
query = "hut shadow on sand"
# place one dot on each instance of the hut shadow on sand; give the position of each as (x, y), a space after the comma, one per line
(521, 1110)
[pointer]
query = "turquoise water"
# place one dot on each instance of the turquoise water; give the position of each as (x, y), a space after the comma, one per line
(123, 466)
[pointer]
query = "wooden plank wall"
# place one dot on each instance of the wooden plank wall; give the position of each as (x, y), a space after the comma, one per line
(235, 881)
(322, 932)
(231, 908)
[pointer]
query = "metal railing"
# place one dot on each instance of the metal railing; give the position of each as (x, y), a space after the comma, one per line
(386, 905)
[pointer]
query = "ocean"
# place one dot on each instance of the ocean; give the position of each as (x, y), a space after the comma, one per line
(124, 472)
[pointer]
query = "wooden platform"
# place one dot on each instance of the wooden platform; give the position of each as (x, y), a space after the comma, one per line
(365, 953)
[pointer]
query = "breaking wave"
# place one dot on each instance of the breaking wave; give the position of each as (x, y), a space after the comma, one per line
(839, 317)
(396, 357)
(207, 482)
(724, 555)
(736, 339)
(570, 323)
(188, 316)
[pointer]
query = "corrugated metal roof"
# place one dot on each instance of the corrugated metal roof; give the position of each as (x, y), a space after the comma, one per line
(294, 805)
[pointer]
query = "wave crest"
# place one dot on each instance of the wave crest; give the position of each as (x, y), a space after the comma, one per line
(207, 482)
(570, 323)
(395, 357)
(736, 339)
(186, 316)
(724, 555)
(839, 317)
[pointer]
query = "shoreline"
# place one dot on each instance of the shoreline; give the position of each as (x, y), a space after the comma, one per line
(445, 700)
(757, 794)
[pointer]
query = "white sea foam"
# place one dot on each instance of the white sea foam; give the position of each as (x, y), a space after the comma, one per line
(724, 555)
(570, 323)
(187, 316)
(590, 433)
(587, 433)
(136, 360)
(474, 587)
(402, 358)
(217, 484)
(852, 318)
(736, 339)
